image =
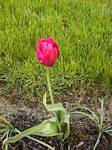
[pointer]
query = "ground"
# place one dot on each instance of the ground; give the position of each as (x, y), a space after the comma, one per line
(83, 133)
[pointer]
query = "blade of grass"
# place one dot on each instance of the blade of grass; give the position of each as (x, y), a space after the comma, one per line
(85, 114)
(101, 115)
(97, 141)
(94, 115)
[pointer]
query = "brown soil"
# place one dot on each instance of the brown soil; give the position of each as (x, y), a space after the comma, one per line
(83, 135)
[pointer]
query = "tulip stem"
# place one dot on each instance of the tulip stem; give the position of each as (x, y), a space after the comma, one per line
(49, 86)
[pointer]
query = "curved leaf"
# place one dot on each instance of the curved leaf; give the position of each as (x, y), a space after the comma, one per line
(53, 107)
(62, 116)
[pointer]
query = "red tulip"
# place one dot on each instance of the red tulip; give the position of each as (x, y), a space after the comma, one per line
(47, 51)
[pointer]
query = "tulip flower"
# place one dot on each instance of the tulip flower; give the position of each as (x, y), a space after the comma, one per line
(47, 51)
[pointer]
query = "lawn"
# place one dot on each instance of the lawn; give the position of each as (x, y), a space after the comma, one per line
(83, 30)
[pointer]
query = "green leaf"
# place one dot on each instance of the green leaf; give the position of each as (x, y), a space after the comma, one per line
(64, 120)
(62, 116)
(46, 128)
(53, 107)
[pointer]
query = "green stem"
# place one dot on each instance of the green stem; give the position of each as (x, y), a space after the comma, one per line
(51, 95)
(49, 86)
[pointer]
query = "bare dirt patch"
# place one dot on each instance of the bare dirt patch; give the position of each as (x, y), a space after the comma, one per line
(25, 114)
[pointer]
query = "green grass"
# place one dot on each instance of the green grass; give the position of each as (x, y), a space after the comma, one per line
(83, 29)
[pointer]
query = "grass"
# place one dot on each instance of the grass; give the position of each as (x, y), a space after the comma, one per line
(83, 29)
